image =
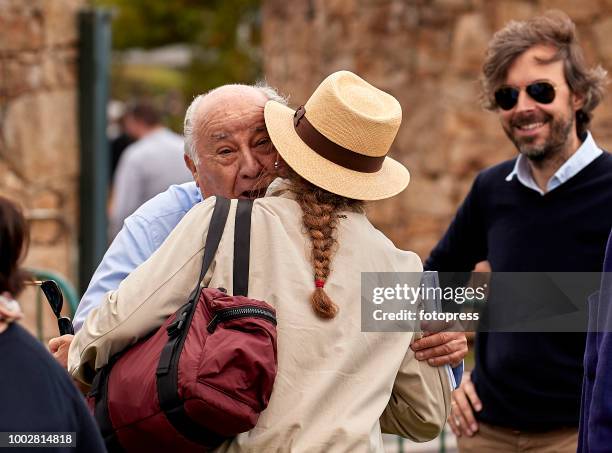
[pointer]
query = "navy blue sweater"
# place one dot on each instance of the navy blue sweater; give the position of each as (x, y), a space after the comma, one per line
(37, 395)
(596, 408)
(530, 381)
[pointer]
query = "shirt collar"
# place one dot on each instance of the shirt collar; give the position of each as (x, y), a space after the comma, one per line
(584, 155)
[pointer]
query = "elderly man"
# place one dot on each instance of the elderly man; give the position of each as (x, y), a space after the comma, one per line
(228, 151)
(546, 211)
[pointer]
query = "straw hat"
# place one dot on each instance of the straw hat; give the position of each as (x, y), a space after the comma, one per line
(340, 138)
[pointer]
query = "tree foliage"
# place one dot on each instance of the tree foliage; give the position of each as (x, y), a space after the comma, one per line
(153, 23)
(225, 35)
(228, 46)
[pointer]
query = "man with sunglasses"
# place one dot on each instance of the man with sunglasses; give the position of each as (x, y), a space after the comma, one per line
(548, 210)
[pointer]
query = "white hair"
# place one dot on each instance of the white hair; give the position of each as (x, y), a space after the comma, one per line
(190, 116)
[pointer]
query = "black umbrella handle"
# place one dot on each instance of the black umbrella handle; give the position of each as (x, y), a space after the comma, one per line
(65, 326)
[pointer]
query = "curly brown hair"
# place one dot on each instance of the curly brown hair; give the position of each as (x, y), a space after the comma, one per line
(14, 239)
(553, 28)
(320, 213)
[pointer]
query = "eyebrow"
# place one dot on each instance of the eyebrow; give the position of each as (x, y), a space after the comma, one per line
(218, 136)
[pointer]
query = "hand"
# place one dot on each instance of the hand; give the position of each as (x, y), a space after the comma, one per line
(464, 399)
(59, 348)
(441, 348)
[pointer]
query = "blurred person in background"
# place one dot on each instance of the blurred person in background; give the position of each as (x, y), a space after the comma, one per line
(548, 210)
(118, 138)
(148, 166)
(227, 152)
(36, 394)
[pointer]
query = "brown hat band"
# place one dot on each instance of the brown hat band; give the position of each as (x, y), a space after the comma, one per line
(331, 151)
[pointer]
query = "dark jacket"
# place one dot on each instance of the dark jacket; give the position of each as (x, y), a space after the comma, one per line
(596, 408)
(37, 395)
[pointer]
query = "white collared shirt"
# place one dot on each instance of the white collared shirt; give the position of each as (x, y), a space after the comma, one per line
(584, 155)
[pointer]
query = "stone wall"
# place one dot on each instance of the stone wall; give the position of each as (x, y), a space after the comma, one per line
(428, 54)
(39, 158)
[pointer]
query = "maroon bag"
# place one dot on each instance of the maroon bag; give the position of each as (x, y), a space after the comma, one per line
(205, 375)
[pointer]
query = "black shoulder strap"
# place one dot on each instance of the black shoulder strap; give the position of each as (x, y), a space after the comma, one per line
(167, 370)
(167, 374)
(99, 391)
(166, 382)
(242, 245)
(213, 238)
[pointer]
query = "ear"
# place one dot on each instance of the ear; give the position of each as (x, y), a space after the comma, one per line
(192, 168)
(577, 101)
(283, 168)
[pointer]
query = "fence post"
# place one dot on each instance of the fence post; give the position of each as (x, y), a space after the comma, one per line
(94, 70)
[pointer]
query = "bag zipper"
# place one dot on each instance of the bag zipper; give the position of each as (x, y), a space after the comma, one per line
(240, 312)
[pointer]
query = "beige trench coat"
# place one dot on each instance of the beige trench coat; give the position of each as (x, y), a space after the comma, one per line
(336, 387)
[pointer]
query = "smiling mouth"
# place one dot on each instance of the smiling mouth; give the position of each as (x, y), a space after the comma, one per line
(530, 126)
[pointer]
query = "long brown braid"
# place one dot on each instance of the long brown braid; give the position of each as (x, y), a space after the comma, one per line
(321, 210)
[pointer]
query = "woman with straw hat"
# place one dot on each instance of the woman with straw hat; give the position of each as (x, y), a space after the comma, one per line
(336, 388)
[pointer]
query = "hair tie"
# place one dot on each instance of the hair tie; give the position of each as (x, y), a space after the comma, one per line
(319, 283)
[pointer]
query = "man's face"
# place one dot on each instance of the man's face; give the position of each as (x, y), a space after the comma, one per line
(540, 131)
(233, 147)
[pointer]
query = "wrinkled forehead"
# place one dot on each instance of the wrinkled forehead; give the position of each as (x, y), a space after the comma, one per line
(232, 97)
(225, 115)
(231, 130)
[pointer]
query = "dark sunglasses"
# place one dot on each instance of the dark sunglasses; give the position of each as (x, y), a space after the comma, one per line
(506, 97)
(54, 295)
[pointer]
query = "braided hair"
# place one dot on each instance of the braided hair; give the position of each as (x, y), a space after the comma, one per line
(321, 210)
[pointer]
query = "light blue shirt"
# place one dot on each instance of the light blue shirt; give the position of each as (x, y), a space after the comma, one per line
(584, 155)
(142, 233)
